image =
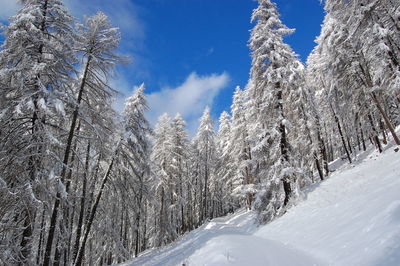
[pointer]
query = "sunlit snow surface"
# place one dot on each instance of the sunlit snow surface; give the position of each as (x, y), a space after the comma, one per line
(353, 218)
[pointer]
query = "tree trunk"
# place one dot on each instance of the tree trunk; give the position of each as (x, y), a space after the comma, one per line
(356, 124)
(376, 139)
(205, 215)
(72, 129)
(138, 216)
(68, 212)
(57, 253)
(81, 252)
(385, 118)
(249, 195)
(39, 251)
(363, 139)
(349, 144)
(82, 205)
(288, 191)
(162, 217)
(317, 164)
(126, 230)
(322, 148)
(284, 145)
(341, 135)
(384, 136)
(144, 244)
(26, 236)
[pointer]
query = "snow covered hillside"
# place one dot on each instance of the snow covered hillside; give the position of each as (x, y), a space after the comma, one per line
(353, 218)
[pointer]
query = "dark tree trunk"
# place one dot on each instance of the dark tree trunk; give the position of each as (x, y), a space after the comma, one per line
(93, 210)
(284, 146)
(126, 229)
(51, 234)
(384, 137)
(39, 251)
(363, 140)
(65, 165)
(162, 215)
(288, 191)
(138, 217)
(144, 244)
(69, 213)
(57, 253)
(341, 135)
(26, 237)
(205, 195)
(82, 205)
(322, 149)
(376, 138)
(317, 164)
(356, 124)
(349, 144)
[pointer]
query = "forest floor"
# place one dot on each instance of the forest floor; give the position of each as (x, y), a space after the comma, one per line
(352, 218)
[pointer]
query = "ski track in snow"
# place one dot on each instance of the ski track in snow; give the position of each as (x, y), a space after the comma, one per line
(352, 218)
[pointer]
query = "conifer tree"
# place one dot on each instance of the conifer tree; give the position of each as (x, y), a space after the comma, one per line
(205, 146)
(97, 41)
(135, 159)
(36, 61)
(226, 168)
(240, 149)
(164, 231)
(180, 175)
(272, 66)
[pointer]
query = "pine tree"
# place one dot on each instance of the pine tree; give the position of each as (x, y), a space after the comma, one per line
(180, 175)
(240, 149)
(97, 41)
(36, 61)
(135, 170)
(272, 66)
(226, 168)
(205, 146)
(165, 185)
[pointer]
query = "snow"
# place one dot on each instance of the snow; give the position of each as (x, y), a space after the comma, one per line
(353, 218)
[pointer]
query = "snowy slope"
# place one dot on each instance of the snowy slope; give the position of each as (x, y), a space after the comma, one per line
(353, 218)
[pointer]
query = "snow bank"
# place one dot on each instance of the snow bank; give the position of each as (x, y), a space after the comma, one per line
(351, 219)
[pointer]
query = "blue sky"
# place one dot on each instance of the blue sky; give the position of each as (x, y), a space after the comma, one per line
(190, 53)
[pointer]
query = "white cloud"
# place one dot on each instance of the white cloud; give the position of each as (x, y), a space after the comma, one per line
(8, 9)
(189, 99)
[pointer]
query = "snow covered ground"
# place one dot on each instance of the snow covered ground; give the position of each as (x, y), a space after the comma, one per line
(353, 218)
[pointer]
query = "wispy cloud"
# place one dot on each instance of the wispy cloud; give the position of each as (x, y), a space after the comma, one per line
(189, 99)
(123, 13)
(8, 9)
